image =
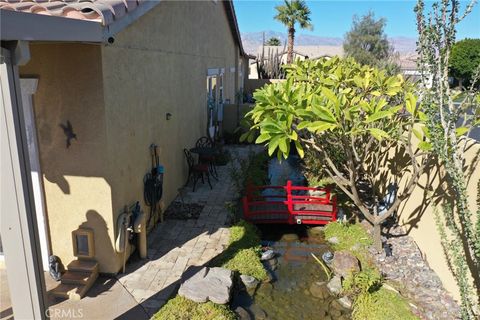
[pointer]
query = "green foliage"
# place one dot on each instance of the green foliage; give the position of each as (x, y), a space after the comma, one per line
(465, 59)
(368, 280)
(269, 65)
(243, 252)
(314, 167)
(350, 237)
(459, 235)
(367, 43)
(253, 170)
(381, 305)
(294, 12)
(273, 41)
(335, 104)
(180, 308)
(331, 96)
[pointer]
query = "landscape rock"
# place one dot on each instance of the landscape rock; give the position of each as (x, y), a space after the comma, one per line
(242, 314)
(345, 302)
(344, 263)
(249, 281)
(212, 284)
(289, 237)
(319, 290)
(335, 285)
(418, 281)
(333, 240)
(327, 257)
(267, 255)
(271, 264)
(258, 313)
(315, 231)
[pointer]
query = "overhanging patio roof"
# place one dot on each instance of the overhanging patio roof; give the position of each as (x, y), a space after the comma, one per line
(62, 25)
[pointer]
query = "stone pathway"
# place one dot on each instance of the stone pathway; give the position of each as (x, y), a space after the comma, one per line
(421, 284)
(178, 248)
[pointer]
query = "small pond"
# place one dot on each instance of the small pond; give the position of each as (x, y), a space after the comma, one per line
(297, 289)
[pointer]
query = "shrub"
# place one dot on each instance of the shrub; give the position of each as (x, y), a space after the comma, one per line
(366, 281)
(327, 105)
(381, 305)
(180, 308)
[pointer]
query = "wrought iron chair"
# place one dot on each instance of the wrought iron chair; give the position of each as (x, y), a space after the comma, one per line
(196, 170)
(210, 159)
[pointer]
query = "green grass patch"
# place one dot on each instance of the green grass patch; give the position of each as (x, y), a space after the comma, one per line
(243, 252)
(180, 308)
(350, 237)
(381, 305)
(365, 281)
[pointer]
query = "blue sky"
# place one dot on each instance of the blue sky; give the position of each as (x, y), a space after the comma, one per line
(334, 18)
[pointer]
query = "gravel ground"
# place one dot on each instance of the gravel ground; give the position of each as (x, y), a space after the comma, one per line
(407, 268)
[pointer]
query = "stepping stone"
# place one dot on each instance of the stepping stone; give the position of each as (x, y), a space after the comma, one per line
(212, 284)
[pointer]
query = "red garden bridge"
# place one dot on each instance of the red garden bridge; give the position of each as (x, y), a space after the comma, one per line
(289, 205)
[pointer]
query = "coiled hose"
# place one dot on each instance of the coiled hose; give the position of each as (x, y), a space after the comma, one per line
(152, 192)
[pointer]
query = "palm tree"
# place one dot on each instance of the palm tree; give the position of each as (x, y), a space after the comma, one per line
(292, 12)
(273, 42)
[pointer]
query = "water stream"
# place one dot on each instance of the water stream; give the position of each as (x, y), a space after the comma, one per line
(298, 286)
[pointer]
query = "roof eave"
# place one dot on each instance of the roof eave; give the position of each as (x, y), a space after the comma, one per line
(36, 27)
(232, 19)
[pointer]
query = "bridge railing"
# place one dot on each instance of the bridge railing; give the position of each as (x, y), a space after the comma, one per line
(289, 204)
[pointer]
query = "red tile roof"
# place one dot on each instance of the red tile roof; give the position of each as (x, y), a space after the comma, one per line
(103, 11)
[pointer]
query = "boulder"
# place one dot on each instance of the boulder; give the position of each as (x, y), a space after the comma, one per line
(315, 231)
(345, 302)
(267, 255)
(271, 264)
(335, 285)
(249, 281)
(333, 240)
(344, 263)
(319, 290)
(242, 314)
(212, 284)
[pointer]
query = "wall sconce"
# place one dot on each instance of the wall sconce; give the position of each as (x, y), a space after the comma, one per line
(168, 116)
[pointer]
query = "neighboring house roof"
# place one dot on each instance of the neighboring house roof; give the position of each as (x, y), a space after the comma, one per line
(311, 52)
(408, 61)
(80, 20)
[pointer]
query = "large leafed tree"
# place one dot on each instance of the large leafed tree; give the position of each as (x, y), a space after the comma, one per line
(293, 12)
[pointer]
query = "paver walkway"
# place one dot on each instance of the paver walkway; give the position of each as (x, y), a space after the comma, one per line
(178, 248)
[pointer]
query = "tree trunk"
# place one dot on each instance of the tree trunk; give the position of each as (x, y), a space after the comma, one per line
(291, 36)
(377, 237)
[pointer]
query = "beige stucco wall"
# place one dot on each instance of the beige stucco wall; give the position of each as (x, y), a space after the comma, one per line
(231, 111)
(77, 189)
(417, 216)
(156, 66)
(116, 98)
